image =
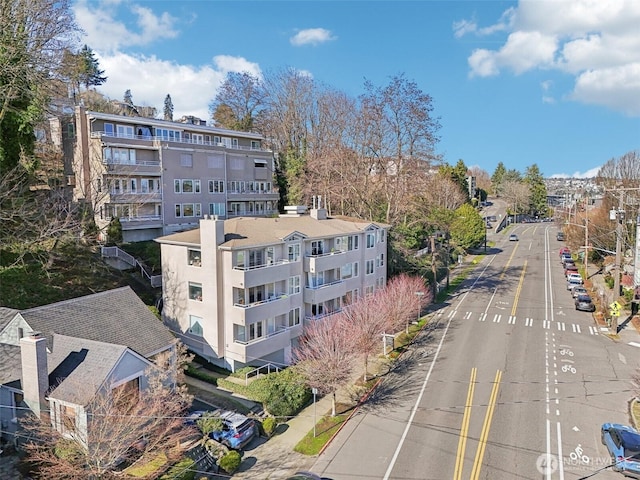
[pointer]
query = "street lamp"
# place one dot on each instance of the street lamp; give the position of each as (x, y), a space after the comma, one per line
(419, 295)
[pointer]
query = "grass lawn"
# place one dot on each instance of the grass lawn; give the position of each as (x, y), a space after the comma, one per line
(325, 429)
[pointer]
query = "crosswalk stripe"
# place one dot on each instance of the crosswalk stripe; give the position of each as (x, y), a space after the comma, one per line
(560, 326)
(529, 322)
(496, 318)
(576, 328)
(483, 317)
(546, 324)
(512, 320)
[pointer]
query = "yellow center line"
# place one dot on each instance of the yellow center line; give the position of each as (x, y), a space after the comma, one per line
(519, 289)
(504, 270)
(477, 463)
(464, 429)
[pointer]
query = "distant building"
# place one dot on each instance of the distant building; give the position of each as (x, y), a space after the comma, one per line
(239, 291)
(159, 177)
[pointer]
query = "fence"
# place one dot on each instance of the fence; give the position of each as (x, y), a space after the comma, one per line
(115, 252)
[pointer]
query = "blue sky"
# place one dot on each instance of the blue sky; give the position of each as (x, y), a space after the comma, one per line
(550, 82)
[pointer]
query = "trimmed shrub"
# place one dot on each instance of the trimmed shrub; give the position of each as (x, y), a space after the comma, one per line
(230, 462)
(269, 426)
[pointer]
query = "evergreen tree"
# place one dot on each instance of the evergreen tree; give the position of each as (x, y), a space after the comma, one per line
(497, 178)
(168, 108)
(89, 69)
(538, 191)
(128, 98)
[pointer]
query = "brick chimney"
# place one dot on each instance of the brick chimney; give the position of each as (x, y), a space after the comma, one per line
(35, 376)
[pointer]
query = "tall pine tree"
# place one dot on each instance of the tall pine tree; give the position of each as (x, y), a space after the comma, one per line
(168, 108)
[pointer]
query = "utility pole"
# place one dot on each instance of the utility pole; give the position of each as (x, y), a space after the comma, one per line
(618, 265)
(434, 268)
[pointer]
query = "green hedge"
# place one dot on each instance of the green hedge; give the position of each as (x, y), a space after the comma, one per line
(200, 375)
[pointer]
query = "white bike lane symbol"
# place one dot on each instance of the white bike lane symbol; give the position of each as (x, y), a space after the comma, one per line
(566, 351)
(577, 455)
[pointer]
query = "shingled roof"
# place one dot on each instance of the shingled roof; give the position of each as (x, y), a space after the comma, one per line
(115, 316)
(249, 231)
(78, 362)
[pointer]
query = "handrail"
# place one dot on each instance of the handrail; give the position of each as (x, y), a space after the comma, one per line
(115, 252)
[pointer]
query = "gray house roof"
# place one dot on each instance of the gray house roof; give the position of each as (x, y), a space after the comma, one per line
(242, 232)
(6, 315)
(10, 364)
(79, 367)
(116, 316)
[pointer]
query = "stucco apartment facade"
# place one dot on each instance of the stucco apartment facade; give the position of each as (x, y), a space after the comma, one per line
(239, 291)
(160, 177)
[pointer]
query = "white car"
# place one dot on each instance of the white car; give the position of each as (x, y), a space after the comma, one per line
(571, 284)
(575, 276)
(578, 290)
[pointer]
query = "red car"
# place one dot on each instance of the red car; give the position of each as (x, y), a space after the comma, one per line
(564, 250)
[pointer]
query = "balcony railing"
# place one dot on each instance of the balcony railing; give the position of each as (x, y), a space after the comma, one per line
(272, 298)
(277, 331)
(187, 141)
(322, 315)
(246, 268)
(324, 285)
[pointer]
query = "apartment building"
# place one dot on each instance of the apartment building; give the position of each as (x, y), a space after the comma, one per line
(239, 291)
(160, 177)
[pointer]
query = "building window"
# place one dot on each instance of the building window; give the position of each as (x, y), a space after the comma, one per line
(369, 267)
(217, 209)
(371, 239)
(258, 163)
(234, 143)
(293, 252)
(194, 257)
(317, 247)
(216, 186)
(256, 331)
(195, 325)
(294, 317)
(108, 129)
(188, 210)
(125, 131)
(68, 415)
(187, 186)
(186, 160)
(369, 290)
(380, 260)
(353, 242)
(294, 284)
(346, 271)
(195, 291)
(381, 236)
(255, 145)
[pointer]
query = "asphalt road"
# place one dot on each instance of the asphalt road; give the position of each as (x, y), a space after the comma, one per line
(508, 382)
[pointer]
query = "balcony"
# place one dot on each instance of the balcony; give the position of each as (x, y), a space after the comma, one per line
(157, 141)
(141, 222)
(324, 261)
(275, 305)
(324, 292)
(149, 167)
(135, 198)
(253, 276)
(246, 351)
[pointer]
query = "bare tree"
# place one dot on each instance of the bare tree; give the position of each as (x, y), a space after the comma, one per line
(400, 301)
(34, 216)
(238, 102)
(325, 355)
(366, 322)
(123, 425)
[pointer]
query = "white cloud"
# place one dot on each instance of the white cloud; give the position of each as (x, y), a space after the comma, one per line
(596, 41)
(546, 88)
(588, 174)
(106, 34)
(311, 36)
(150, 79)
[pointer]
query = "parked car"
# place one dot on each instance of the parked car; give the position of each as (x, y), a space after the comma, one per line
(513, 237)
(585, 304)
(566, 257)
(579, 290)
(570, 268)
(623, 444)
(575, 276)
(571, 284)
(564, 250)
(304, 476)
(237, 430)
(560, 237)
